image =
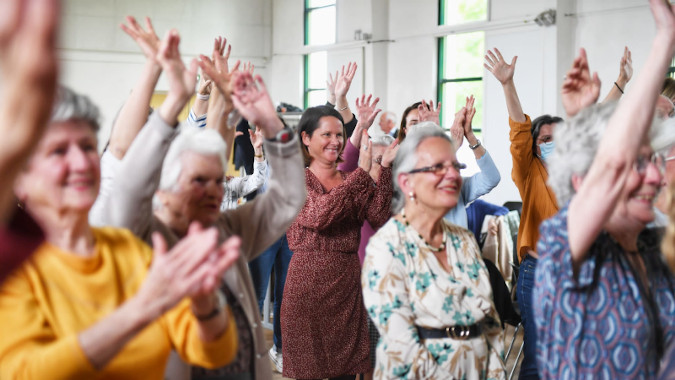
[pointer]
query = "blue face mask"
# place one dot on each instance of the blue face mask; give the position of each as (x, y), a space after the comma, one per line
(546, 149)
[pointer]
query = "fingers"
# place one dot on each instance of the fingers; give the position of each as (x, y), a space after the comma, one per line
(148, 25)
(11, 14)
(513, 61)
(158, 244)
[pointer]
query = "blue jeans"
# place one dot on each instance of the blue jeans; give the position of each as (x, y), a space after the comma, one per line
(528, 368)
(277, 256)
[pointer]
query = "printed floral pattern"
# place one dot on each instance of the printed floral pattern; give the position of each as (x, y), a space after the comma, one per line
(404, 286)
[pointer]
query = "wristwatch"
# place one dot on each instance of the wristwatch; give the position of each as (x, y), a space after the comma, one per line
(473, 147)
(283, 136)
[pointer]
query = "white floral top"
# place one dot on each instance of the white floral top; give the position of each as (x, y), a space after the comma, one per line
(404, 285)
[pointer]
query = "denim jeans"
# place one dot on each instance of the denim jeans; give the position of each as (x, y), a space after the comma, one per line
(277, 256)
(528, 368)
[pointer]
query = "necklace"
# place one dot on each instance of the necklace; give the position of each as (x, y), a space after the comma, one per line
(431, 247)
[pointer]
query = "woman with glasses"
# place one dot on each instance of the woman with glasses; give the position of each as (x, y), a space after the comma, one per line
(323, 320)
(605, 299)
(424, 283)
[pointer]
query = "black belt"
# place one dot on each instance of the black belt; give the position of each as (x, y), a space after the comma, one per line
(455, 332)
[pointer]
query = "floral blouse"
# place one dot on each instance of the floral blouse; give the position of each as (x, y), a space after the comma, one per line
(404, 286)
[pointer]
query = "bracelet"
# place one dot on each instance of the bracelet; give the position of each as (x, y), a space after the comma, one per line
(258, 155)
(617, 86)
(203, 97)
(473, 147)
(221, 303)
(343, 108)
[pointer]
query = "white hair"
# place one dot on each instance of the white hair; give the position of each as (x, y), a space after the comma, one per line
(406, 158)
(382, 140)
(576, 144)
(201, 141)
(389, 116)
(70, 105)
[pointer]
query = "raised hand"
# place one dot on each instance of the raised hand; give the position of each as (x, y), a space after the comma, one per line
(181, 80)
(664, 15)
(217, 68)
(625, 67)
(495, 63)
(344, 79)
(251, 98)
(256, 138)
(365, 153)
(470, 112)
(330, 87)
(28, 73)
(580, 89)
(367, 114)
(427, 113)
(147, 40)
(457, 128)
(390, 154)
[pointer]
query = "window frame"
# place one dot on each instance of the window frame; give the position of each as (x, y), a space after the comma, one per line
(461, 29)
(308, 12)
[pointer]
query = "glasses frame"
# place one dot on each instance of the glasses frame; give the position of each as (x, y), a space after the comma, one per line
(656, 158)
(439, 168)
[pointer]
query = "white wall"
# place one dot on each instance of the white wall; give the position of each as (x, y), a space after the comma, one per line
(398, 64)
(100, 60)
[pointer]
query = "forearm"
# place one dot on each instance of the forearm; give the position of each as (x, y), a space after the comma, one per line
(473, 140)
(342, 106)
(615, 93)
(513, 102)
(134, 112)
(103, 341)
(200, 106)
(217, 119)
(212, 328)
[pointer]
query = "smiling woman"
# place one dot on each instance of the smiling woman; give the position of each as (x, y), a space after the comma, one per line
(322, 306)
(431, 326)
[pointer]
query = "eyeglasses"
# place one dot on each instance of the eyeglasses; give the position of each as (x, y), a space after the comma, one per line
(439, 169)
(641, 163)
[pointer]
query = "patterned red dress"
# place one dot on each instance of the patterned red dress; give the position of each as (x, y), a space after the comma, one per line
(323, 319)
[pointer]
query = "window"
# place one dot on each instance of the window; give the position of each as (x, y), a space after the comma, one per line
(460, 74)
(460, 66)
(315, 78)
(451, 12)
(319, 22)
(671, 69)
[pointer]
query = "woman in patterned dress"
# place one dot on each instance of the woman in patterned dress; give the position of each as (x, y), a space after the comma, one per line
(323, 320)
(605, 300)
(424, 283)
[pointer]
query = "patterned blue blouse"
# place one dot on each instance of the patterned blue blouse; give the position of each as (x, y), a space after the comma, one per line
(603, 324)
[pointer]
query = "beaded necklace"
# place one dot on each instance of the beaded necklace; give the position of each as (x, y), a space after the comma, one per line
(434, 249)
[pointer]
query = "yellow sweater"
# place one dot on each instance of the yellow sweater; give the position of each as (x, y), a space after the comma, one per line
(56, 295)
(530, 176)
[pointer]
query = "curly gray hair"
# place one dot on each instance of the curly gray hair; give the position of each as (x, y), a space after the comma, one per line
(576, 143)
(406, 158)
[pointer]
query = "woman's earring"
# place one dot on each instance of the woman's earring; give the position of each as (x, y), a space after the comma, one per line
(412, 197)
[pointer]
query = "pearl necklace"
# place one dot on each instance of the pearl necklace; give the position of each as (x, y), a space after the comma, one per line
(434, 249)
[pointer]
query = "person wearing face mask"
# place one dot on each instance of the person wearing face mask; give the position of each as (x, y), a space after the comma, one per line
(531, 144)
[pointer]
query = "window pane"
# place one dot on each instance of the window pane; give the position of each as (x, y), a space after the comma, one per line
(454, 98)
(317, 66)
(321, 26)
(463, 55)
(459, 11)
(319, 3)
(316, 98)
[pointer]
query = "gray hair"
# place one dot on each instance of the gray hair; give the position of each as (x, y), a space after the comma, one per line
(70, 105)
(200, 141)
(389, 116)
(406, 158)
(382, 140)
(576, 144)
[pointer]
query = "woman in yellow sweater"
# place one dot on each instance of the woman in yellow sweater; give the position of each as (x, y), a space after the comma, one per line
(89, 303)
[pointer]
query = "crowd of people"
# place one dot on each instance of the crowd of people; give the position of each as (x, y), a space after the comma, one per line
(146, 262)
